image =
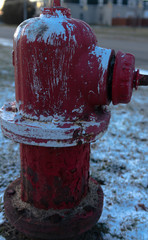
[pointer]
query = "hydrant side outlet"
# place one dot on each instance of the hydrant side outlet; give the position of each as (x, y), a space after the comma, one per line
(123, 78)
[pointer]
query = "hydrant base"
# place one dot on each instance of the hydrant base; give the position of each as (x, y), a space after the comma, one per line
(53, 224)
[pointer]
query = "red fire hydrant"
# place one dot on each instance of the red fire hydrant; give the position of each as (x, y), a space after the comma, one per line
(63, 83)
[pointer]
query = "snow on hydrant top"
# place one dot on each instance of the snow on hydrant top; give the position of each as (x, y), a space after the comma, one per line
(55, 27)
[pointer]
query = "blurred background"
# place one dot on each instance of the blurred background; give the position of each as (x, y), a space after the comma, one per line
(104, 12)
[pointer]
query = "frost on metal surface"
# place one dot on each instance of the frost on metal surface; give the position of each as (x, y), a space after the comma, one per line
(46, 68)
(122, 169)
(103, 55)
(46, 28)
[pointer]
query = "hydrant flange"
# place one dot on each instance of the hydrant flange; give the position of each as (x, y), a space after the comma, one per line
(53, 225)
(54, 133)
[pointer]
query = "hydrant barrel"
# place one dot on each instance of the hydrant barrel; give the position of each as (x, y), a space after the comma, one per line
(54, 178)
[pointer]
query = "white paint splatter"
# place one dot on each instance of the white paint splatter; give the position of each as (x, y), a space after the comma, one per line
(78, 110)
(103, 56)
(18, 104)
(46, 133)
(19, 29)
(46, 29)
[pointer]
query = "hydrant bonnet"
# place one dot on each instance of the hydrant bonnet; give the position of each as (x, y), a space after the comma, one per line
(56, 63)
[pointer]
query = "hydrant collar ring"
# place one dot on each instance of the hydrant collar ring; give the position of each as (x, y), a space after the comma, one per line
(55, 133)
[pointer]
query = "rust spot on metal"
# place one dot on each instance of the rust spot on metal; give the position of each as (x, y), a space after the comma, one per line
(28, 190)
(73, 170)
(48, 224)
(32, 174)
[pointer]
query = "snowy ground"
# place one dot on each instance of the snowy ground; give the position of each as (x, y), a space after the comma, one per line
(119, 161)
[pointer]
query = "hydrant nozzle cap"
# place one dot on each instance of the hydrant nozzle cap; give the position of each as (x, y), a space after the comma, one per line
(123, 78)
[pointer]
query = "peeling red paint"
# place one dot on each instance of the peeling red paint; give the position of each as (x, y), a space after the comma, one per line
(54, 177)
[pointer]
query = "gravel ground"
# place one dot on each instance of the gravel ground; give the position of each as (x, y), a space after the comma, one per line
(119, 161)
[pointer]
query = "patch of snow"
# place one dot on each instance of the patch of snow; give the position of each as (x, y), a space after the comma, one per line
(120, 161)
(1, 218)
(1, 212)
(142, 71)
(2, 238)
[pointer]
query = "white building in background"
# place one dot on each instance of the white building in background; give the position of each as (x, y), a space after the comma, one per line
(103, 11)
(145, 9)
